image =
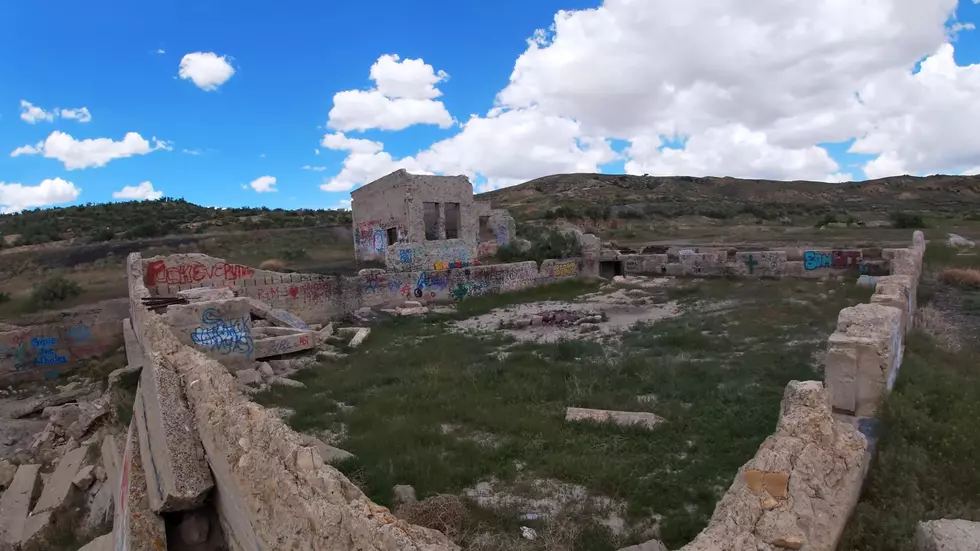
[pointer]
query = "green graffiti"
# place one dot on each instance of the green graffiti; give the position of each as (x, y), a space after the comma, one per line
(460, 292)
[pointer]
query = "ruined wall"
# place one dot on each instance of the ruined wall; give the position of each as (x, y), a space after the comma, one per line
(270, 492)
(376, 208)
(778, 263)
(431, 255)
(47, 350)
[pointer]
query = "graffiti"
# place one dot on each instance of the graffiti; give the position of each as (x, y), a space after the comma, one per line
(896, 347)
(292, 320)
(751, 262)
(460, 292)
(374, 283)
(405, 256)
(79, 334)
(501, 233)
(379, 241)
(122, 514)
(304, 340)
(566, 269)
(873, 268)
(814, 260)
(487, 249)
(158, 272)
(221, 335)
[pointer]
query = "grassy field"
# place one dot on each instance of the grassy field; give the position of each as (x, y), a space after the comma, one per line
(926, 465)
(441, 410)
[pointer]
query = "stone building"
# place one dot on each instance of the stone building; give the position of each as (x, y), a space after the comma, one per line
(412, 221)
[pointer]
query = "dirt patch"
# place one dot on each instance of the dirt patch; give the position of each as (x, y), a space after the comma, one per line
(596, 316)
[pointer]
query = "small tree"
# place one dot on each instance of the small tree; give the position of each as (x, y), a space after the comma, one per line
(54, 290)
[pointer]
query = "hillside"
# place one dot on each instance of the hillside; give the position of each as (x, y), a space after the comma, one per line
(95, 223)
(569, 194)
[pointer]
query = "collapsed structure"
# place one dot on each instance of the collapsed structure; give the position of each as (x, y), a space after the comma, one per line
(201, 328)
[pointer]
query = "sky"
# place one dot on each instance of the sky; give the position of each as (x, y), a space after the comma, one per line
(249, 103)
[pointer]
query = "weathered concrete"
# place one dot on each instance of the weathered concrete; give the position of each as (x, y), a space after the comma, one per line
(16, 502)
(134, 352)
(800, 488)
(863, 357)
(101, 543)
(897, 291)
(45, 351)
(135, 527)
(111, 460)
(270, 347)
(279, 317)
(359, 337)
(206, 294)
(947, 535)
(622, 418)
(220, 329)
(173, 458)
(56, 490)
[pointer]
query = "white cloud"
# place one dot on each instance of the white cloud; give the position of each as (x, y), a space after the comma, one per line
(160, 51)
(32, 114)
(89, 153)
(789, 77)
(81, 114)
(143, 191)
(192, 151)
(264, 184)
(314, 168)
(316, 151)
(206, 70)
(17, 197)
(403, 96)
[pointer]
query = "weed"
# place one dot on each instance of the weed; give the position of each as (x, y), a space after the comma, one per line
(961, 277)
(544, 245)
(907, 220)
(54, 290)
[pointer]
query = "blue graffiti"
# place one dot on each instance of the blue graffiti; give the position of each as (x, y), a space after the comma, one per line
(79, 334)
(405, 256)
(225, 336)
(813, 260)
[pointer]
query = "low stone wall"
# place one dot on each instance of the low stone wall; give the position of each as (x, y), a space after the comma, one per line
(797, 263)
(47, 350)
(270, 491)
(431, 255)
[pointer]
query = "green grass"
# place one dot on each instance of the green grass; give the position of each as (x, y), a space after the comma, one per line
(926, 465)
(718, 378)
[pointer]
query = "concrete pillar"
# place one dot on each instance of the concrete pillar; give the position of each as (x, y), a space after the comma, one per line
(863, 357)
(442, 220)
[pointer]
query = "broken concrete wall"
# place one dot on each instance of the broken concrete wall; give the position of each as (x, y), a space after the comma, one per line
(431, 255)
(714, 262)
(377, 209)
(45, 351)
(800, 488)
(135, 527)
(384, 288)
(271, 491)
(220, 329)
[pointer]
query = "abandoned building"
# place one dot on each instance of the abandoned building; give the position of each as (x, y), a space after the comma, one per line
(412, 221)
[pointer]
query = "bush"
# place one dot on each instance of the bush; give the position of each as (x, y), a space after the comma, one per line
(294, 254)
(54, 290)
(544, 245)
(907, 220)
(4, 297)
(103, 234)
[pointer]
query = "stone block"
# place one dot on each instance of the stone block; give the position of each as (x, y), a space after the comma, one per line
(897, 291)
(175, 467)
(359, 337)
(16, 503)
(760, 264)
(59, 485)
(622, 418)
(135, 526)
(947, 535)
(279, 317)
(276, 346)
(220, 329)
(863, 357)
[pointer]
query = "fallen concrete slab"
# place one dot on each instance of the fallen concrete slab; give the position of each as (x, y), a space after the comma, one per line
(16, 503)
(623, 418)
(173, 457)
(59, 485)
(135, 526)
(38, 404)
(276, 346)
(101, 543)
(134, 351)
(279, 331)
(282, 318)
(220, 329)
(206, 294)
(359, 337)
(947, 535)
(328, 453)
(110, 461)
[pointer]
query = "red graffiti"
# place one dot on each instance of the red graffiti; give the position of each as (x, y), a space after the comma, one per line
(293, 292)
(158, 272)
(304, 341)
(846, 259)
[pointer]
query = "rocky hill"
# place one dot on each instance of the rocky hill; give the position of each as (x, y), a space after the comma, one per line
(651, 195)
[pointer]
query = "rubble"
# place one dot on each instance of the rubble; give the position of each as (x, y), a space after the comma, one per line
(59, 485)
(84, 478)
(622, 418)
(403, 494)
(249, 376)
(37, 405)
(328, 453)
(359, 337)
(101, 543)
(947, 535)
(7, 472)
(15, 504)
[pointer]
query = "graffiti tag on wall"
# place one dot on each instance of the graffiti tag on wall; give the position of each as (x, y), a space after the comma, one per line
(224, 336)
(815, 260)
(158, 272)
(566, 269)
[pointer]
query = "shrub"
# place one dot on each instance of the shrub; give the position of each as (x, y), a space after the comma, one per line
(294, 254)
(4, 297)
(53, 290)
(103, 234)
(544, 245)
(827, 219)
(907, 220)
(960, 277)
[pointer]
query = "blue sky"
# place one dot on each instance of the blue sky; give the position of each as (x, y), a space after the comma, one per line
(120, 61)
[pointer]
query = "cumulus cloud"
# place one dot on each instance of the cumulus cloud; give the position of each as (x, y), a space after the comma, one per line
(141, 192)
(32, 114)
(403, 96)
(206, 70)
(52, 191)
(90, 153)
(651, 75)
(264, 184)
(314, 168)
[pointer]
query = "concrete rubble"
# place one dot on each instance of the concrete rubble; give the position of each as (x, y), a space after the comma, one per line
(56, 490)
(800, 488)
(15, 505)
(947, 535)
(621, 418)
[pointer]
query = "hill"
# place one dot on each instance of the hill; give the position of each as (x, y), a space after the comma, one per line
(95, 223)
(603, 195)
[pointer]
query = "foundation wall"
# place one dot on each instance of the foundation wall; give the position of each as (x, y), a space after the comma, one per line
(796, 263)
(45, 351)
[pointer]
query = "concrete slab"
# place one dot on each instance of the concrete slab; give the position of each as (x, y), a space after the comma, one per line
(101, 543)
(220, 329)
(276, 346)
(110, 461)
(135, 526)
(282, 318)
(16, 503)
(359, 337)
(134, 351)
(623, 418)
(56, 490)
(174, 460)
